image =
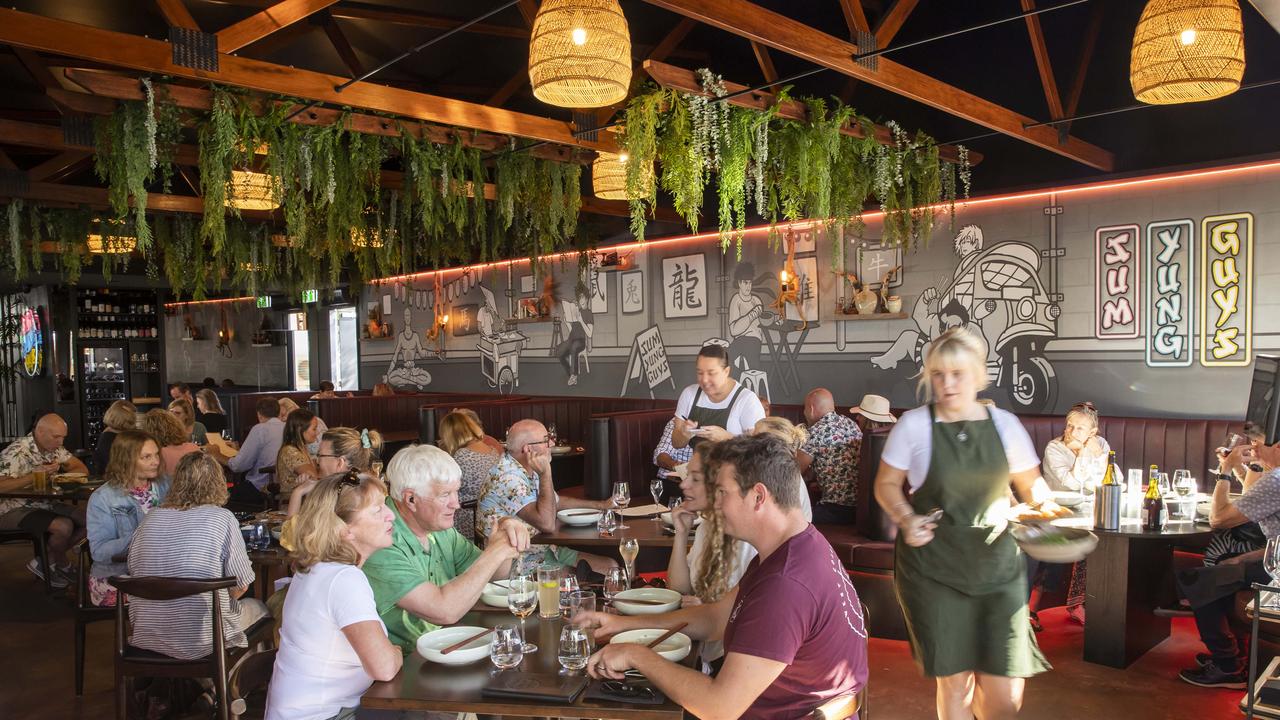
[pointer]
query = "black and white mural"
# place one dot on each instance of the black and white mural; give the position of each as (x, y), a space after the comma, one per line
(1146, 298)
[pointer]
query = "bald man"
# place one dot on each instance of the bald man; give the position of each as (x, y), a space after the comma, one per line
(832, 451)
(520, 485)
(63, 525)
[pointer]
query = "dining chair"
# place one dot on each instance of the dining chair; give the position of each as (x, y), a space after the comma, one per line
(38, 548)
(85, 611)
(840, 707)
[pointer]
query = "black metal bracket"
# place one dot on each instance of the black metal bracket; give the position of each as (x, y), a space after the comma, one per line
(194, 49)
(77, 130)
(14, 182)
(866, 43)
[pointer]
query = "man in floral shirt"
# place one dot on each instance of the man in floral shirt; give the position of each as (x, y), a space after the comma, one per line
(42, 449)
(832, 450)
(520, 486)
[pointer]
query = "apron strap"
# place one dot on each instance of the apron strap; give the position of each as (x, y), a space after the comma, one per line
(734, 399)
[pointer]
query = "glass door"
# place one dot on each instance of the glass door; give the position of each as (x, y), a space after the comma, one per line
(344, 355)
(299, 352)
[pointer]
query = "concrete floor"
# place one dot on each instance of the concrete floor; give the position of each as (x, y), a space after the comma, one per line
(36, 651)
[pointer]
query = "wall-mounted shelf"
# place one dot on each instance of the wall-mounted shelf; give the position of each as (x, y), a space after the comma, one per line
(531, 321)
(872, 316)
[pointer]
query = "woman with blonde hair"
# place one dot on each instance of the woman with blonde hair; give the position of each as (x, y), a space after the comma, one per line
(175, 441)
(181, 409)
(333, 645)
(1077, 460)
(120, 416)
(341, 449)
(209, 410)
(959, 575)
(794, 436)
(461, 435)
(133, 487)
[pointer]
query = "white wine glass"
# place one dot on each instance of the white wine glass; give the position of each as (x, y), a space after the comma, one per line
(522, 600)
(621, 499)
(615, 581)
(629, 548)
(608, 522)
(656, 486)
(506, 649)
(1183, 483)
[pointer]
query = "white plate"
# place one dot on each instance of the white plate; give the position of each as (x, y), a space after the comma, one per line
(578, 517)
(666, 518)
(674, 648)
(494, 595)
(561, 449)
(1067, 499)
(430, 645)
(669, 598)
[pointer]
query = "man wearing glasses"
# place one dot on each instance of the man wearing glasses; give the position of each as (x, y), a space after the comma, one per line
(520, 486)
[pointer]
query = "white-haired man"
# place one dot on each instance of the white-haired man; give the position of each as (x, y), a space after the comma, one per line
(520, 487)
(431, 575)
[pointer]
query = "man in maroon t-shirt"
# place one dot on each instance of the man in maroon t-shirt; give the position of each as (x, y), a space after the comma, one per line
(793, 628)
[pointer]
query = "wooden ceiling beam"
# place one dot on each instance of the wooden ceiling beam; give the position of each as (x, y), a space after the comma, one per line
(49, 137)
(782, 33)
(175, 13)
(528, 11)
(1096, 13)
(1041, 50)
(855, 17)
(670, 76)
(60, 166)
(280, 39)
(6, 162)
(154, 56)
(509, 88)
(889, 25)
(672, 39)
(413, 18)
(261, 24)
(765, 62)
(343, 46)
(37, 67)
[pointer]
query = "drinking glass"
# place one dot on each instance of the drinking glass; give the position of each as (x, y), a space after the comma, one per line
(568, 586)
(522, 600)
(608, 522)
(1183, 483)
(40, 480)
(621, 499)
(628, 549)
(1164, 486)
(575, 648)
(1271, 563)
(548, 590)
(615, 581)
(655, 489)
(553, 440)
(506, 649)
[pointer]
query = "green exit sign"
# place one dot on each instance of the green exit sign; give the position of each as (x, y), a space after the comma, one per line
(310, 296)
(264, 301)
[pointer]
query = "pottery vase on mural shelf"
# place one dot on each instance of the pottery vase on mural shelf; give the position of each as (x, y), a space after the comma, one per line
(893, 304)
(866, 302)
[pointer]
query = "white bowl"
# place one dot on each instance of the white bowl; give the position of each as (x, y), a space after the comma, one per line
(1067, 498)
(670, 600)
(666, 518)
(430, 645)
(674, 648)
(1075, 545)
(578, 517)
(561, 449)
(494, 595)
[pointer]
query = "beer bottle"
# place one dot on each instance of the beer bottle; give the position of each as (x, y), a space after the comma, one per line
(1153, 512)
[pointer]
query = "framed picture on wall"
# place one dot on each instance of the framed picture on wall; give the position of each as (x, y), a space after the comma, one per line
(599, 289)
(806, 240)
(684, 286)
(526, 284)
(873, 260)
(463, 319)
(631, 292)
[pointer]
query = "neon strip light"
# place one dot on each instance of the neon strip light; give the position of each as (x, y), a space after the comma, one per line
(175, 305)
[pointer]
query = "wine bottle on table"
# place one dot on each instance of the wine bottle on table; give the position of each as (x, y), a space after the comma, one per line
(1153, 511)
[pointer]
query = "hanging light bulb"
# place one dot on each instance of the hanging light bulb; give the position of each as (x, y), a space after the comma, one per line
(1187, 51)
(1188, 36)
(568, 71)
(609, 177)
(579, 36)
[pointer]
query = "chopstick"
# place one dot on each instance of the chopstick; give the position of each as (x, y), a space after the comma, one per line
(638, 601)
(668, 634)
(464, 643)
(581, 512)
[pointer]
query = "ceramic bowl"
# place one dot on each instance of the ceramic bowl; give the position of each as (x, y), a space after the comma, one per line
(674, 648)
(1068, 544)
(494, 595)
(430, 645)
(578, 517)
(666, 518)
(670, 600)
(1068, 499)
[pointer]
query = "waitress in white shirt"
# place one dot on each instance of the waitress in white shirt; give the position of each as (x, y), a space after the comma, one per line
(333, 645)
(717, 407)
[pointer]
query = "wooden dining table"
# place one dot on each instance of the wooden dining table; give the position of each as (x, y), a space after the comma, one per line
(424, 686)
(69, 492)
(649, 531)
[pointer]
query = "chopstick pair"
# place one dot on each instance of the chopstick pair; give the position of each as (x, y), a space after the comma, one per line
(638, 601)
(662, 638)
(464, 643)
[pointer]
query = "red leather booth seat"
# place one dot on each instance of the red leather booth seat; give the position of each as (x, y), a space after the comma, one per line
(245, 416)
(395, 416)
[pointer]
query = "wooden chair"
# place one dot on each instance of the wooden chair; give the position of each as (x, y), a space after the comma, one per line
(85, 611)
(840, 707)
(131, 661)
(38, 547)
(250, 673)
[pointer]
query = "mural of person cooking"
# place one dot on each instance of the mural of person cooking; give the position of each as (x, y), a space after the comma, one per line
(996, 291)
(404, 371)
(746, 316)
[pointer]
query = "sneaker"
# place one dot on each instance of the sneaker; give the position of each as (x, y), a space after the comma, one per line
(55, 579)
(1210, 676)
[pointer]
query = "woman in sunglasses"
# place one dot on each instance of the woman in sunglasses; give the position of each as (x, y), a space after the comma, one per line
(332, 643)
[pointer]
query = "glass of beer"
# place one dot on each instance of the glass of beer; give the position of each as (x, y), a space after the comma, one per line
(548, 590)
(40, 480)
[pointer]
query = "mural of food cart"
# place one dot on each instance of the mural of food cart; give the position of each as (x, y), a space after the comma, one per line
(500, 359)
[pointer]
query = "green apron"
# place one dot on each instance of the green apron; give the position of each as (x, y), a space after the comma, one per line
(705, 416)
(964, 594)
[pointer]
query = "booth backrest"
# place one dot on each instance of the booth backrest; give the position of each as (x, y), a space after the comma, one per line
(622, 445)
(395, 416)
(570, 414)
(244, 415)
(872, 522)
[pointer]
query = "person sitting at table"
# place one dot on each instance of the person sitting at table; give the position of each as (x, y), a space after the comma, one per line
(489, 440)
(872, 413)
(716, 407)
(174, 440)
(186, 415)
(294, 460)
(667, 457)
(831, 451)
(208, 382)
(793, 628)
(191, 535)
(1247, 537)
(383, 390)
(259, 451)
(287, 406)
(431, 575)
(1211, 590)
(326, 391)
(1077, 461)
(462, 437)
(134, 485)
(794, 437)
(180, 391)
(520, 486)
(341, 449)
(62, 524)
(121, 415)
(209, 411)
(333, 645)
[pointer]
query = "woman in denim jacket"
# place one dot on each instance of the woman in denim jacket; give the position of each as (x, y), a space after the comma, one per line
(134, 486)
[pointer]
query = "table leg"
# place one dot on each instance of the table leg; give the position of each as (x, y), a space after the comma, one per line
(264, 582)
(1126, 584)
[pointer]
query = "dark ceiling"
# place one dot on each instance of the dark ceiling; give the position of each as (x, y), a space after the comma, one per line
(996, 63)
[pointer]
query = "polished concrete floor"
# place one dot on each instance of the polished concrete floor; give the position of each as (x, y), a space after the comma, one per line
(36, 651)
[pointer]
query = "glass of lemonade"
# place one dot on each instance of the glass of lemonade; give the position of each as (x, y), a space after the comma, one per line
(548, 590)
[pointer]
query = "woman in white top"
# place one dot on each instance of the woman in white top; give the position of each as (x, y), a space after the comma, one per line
(333, 644)
(716, 407)
(1077, 461)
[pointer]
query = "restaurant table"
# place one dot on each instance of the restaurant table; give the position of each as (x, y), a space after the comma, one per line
(648, 531)
(263, 563)
(1129, 576)
(424, 686)
(72, 494)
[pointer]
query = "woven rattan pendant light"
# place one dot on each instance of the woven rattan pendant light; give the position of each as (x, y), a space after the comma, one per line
(1187, 51)
(609, 178)
(580, 53)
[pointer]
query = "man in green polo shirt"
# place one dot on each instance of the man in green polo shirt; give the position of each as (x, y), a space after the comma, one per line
(431, 575)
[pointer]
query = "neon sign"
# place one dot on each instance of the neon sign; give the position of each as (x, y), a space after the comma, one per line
(1226, 290)
(1116, 275)
(1170, 293)
(32, 342)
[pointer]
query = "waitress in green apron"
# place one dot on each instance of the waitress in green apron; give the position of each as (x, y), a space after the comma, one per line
(961, 581)
(716, 407)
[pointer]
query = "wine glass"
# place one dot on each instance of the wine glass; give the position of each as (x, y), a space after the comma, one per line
(621, 499)
(1183, 484)
(575, 648)
(568, 586)
(506, 649)
(656, 486)
(553, 440)
(608, 522)
(1271, 563)
(1163, 485)
(522, 600)
(628, 549)
(614, 582)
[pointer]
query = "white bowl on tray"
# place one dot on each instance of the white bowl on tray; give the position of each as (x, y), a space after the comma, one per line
(670, 600)
(1064, 545)
(674, 648)
(495, 595)
(430, 645)
(579, 517)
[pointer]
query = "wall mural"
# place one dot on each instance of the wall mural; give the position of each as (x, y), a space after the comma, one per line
(685, 281)
(1171, 298)
(1226, 278)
